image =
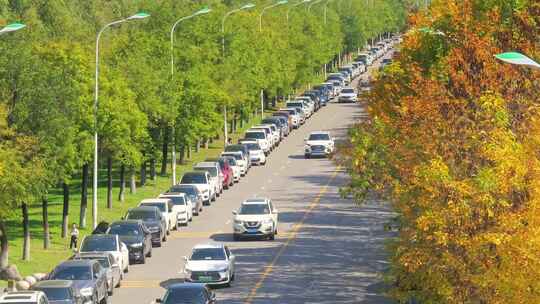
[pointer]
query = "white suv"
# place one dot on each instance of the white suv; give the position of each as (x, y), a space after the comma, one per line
(318, 144)
(216, 178)
(165, 206)
(260, 137)
(200, 179)
(213, 264)
(240, 160)
(256, 154)
(256, 217)
(182, 206)
(24, 297)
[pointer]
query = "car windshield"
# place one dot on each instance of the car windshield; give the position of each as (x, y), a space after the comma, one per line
(236, 156)
(56, 294)
(348, 91)
(126, 230)
(99, 244)
(193, 179)
(189, 190)
(212, 170)
(271, 121)
(81, 273)
(253, 146)
(234, 148)
(254, 209)
(105, 263)
(207, 254)
(255, 135)
(295, 104)
(232, 161)
(177, 200)
(144, 215)
(184, 296)
(319, 136)
(160, 206)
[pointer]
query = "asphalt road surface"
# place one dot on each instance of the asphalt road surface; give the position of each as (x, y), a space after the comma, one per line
(328, 249)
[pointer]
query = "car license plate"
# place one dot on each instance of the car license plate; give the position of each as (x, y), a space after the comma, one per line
(252, 231)
(205, 278)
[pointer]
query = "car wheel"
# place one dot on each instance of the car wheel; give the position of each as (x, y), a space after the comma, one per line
(119, 283)
(272, 236)
(149, 253)
(160, 243)
(307, 156)
(165, 237)
(214, 198)
(95, 299)
(143, 259)
(126, 270)
(111, 291)
(105, 299)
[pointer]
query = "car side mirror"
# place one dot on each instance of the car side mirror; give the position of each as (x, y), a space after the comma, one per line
(185, 258)
(234, 212)
(276, 211)
(158, 301)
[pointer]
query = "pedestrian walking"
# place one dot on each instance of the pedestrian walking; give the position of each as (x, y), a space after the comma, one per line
(74, 236)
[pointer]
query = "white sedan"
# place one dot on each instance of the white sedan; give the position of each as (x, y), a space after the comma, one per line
(212, 264)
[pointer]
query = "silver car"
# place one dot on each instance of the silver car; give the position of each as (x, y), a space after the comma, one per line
(213, 264)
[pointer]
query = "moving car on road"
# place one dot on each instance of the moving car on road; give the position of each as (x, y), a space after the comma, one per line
(318, 143)
(348, 95)
(24, 297)
(192, 293)
(89, 279)
(152, 219)
(256, 217)
(114, 274)
(137, 238)
(212, 264)
(107, 243)
(58, 292)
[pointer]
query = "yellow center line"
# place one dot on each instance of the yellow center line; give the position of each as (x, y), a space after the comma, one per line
(293, 234)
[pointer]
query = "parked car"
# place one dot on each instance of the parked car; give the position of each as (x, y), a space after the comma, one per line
(114, 274)
(24, 297)
(88, 277)
(241, 148)
(236, 168)
(182, 206)
(299, 104)
(57, 292)
(216, 177)
(261, 137)
(348, 95)
(211, 264)
(274, 131)
(292, 114)
(287, 116)
(256, 218)
(240, 160)
(283, 128)
(107, 243)
(200, 179)
(270, 135)
(152, 219)
(137, 238)
(256, 153)
(165, 206)
(193, 193)
(318, 143)
(228, 174)
(194, 293)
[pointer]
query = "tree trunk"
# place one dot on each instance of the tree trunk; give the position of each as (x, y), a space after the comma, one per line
(46, 234)
(109, 183)
(198, 146)
(65, 210)
(4, 254)
(165, 152)
(26, 233)
(122, 183)
(189, 152)
(182, 153)
(143, 174)
(206, 142)
(153, 169)
(132, 181)
(84, 196)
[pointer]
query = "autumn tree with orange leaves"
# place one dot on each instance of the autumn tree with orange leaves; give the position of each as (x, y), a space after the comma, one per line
(453, 142)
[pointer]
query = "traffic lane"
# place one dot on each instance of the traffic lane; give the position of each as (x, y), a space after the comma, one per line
(144, 282)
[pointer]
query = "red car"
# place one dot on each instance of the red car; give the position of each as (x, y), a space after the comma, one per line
(228, 177)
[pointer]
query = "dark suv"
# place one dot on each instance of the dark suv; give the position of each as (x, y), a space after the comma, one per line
(152, 219)
(137, 238)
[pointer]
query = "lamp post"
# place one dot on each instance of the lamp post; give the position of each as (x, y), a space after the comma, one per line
(312, 4)
(173, 29)
(326, 10)
(518, 59)
(12, 28)
(95, 177)
(295, 5)
(245, 7)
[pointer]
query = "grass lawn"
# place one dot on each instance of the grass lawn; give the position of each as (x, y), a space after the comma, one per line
(44, 260)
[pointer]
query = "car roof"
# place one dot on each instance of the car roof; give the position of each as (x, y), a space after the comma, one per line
(154, 200)
(92, 254)
(145, 208)
(126, 222)
(231, 152)
(186, 285)
(206, 164)
(69, 263)
(196, 173)
(256, 200)
(53, 284)
(208, 245)
(172, 194)
(100, 236)
(21, 296)
(320, 132)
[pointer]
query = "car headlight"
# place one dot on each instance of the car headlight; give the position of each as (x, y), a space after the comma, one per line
(136, 245)
(268, 221)
(223, 272)
(205, 191)
(187, 271)
(87, 292)
(307, 147)
(238, 222)
(153, 229)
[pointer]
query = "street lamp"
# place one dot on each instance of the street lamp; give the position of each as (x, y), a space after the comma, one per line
(140, 15)
(245, 7)
(12, 28)
(203, 11)
(325, 10)
(518, 59)
(315, 2)
(295, 5)
(269, 7)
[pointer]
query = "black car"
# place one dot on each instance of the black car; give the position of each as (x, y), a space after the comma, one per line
(59, 291)
(193, 193)
(137, 238)
(152, 219)
(88, 277)
(193, 293)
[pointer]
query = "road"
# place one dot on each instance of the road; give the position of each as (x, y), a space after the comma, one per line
(328, 250)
